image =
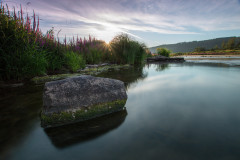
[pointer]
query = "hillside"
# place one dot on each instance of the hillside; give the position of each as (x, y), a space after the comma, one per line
(190, 46)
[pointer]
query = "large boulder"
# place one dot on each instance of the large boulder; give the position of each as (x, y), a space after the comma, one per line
(81, 98)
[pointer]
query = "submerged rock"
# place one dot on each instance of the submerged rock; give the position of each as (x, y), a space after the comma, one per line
(81, 98)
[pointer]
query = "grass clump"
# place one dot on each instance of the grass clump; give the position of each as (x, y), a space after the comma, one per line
(127, 51)
(74, 61)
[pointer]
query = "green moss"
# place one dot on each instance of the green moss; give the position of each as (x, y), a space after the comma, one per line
(90, 112)
(40, 80)
(89, 71)
(97, 70)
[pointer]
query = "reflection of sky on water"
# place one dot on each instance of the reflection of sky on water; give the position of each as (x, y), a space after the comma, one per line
(230, 61)
(185, 111)
(188, 111)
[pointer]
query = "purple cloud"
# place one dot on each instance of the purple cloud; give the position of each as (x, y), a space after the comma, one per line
(106, 18)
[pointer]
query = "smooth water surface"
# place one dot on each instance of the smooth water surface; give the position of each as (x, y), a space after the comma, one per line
(224, 60)
(173, 111)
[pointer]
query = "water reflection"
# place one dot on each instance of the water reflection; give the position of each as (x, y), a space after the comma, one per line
(68, 135)
(129, 76)
(160, 66)
(225, 61)
(177, 111)
(18, 113)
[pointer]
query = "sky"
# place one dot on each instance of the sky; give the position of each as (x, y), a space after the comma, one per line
(153, 22)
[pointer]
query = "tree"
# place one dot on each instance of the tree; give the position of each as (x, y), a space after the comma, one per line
(216, 47)
(231, 43)
(148, 52)
(163, 51)
(238, 45)
(199, 49)
(223, 45)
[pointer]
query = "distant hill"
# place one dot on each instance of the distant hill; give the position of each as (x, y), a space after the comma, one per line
(190, 46)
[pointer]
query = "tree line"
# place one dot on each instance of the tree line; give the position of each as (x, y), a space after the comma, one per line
(218, 43)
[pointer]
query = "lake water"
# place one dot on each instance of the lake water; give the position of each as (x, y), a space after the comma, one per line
(174, 111)
(223, 60)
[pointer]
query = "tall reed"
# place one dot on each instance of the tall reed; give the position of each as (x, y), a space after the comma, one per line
(127, 50)
(26, 52)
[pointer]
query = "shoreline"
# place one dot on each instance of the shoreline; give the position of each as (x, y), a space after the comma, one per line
(93, 70)
(223, 55)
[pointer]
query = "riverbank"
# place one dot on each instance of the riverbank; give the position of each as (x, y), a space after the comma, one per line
(225, 55)
(228, 52)
(93, 70)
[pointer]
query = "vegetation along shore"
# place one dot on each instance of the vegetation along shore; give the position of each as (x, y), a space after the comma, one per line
(26, 52)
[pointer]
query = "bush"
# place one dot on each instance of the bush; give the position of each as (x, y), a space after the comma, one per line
(127, 51)
(74, 61)
(163, 52)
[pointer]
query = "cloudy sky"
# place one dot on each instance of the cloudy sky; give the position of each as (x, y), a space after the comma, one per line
(153, 22)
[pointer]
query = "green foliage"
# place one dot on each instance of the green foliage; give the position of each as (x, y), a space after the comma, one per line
(94, 56)
(127, 51)
(26, 52)
(163, 52)
(223, 45)
(231, 43)
(148, 53)
(74, 61)
(55, 58)
(22, 64)
(89, 112)
(190, 46)
(19, 56)
(199, 49)
(216, 47)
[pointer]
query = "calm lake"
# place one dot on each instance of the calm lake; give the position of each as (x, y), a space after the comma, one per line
(174, 111)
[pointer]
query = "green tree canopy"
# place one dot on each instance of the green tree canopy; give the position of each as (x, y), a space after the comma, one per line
(231, 43)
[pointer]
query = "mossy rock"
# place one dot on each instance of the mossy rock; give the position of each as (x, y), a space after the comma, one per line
(81, 98)
(63, 118)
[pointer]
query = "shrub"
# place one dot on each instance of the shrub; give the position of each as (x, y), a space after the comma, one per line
(163, 51)
(74, 61)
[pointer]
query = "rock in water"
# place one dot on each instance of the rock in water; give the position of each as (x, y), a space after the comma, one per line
(81, 98)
